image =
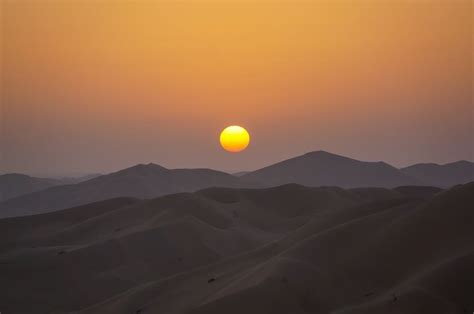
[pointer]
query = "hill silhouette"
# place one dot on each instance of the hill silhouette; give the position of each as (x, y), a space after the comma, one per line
(321, 168)
(15, 184)
(446, 175)
(313, 169)
(140, 181)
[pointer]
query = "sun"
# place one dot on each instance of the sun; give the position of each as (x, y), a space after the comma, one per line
(234, 138)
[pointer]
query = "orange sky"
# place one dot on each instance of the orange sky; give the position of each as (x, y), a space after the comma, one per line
(100, 85)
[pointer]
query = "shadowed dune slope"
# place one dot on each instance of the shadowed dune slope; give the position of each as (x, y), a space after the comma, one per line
(287, 249)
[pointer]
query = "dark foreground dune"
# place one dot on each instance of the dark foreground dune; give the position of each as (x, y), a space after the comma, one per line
(289, 249)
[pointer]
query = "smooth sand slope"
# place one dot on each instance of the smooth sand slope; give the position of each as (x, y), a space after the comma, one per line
(288, 249)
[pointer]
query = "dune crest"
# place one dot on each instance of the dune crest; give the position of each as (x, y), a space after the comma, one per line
(287, 249)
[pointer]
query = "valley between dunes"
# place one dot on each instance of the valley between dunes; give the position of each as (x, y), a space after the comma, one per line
(286, 249)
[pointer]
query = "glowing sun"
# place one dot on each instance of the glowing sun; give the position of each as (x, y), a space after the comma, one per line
(234, 138)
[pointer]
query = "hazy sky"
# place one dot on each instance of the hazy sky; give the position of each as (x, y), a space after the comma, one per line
(95, 86)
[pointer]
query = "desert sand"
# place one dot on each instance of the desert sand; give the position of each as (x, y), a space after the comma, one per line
(288, 249)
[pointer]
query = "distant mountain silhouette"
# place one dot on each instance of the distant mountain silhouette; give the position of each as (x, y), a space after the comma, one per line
(442, 175)
(79, 179)
(313, 169)
(240, 173)
(287, 249)
(14, 184)
(140, 181)
(321, 168)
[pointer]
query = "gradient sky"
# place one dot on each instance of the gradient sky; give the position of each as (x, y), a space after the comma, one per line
(95, 86)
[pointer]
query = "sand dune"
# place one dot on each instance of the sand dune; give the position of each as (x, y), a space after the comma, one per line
(288, 249)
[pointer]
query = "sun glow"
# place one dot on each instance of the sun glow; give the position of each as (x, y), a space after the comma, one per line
(234, 139)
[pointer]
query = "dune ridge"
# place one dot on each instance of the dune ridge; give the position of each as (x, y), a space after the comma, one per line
(287, 249)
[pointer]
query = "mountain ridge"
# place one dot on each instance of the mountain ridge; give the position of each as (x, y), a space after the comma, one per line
(323, 168)
(316, 168)
(140, 181)
(17, 184)
(442, 175)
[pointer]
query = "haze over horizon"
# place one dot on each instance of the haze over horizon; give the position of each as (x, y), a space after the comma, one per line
(242, 171)
(97, 87)
(236, 156)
